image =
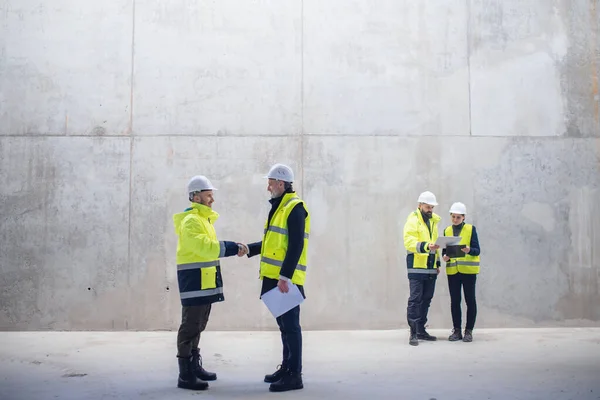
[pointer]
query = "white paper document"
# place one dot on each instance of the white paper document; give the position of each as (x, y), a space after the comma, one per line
(443, 241)
(280, 303)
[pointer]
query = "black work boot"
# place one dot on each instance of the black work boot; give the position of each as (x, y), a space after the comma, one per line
(413, 340)
(423, 335)
(468, 335)
(275, 376)
(289, 381)
(187, 378)
(201, 373)
(456, 335)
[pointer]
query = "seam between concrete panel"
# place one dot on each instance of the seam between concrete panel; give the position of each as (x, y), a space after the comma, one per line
(131, 140)
(302, 66)
(132, 68)
(593, 44)
(332, 135)
(468, 7)
(302, 95)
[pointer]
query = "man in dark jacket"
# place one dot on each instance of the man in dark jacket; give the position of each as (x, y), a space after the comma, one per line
(283, 259)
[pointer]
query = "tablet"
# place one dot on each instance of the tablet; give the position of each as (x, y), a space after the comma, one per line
(455, 251)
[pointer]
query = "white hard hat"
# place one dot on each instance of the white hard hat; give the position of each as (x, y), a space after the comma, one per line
(199, 183)
(281, 173)
(458, 208)
(427, 198)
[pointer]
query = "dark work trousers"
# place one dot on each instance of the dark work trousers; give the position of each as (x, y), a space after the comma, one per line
(421, 293)
(467, 282)
(193, 323)
(291, 338)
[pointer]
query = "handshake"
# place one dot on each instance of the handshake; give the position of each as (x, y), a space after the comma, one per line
(242, 250)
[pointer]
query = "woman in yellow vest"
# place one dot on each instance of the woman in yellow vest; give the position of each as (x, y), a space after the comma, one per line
(462, 267)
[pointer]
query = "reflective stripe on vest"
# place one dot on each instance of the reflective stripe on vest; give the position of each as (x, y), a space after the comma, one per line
(422, 271)
(201, 293)
(281, 230)
(267, 260)
(206, 264)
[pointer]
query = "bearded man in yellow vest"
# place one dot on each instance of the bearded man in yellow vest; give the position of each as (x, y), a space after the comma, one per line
(284, 251)
(420, 235)
(462, 267)
(199, 278)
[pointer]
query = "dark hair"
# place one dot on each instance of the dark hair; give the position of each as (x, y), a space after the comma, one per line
(288, 186)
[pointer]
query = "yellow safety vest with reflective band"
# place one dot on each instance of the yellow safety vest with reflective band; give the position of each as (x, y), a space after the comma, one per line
(465, 265)
(416, 241)
(198, 252)
(276, 239)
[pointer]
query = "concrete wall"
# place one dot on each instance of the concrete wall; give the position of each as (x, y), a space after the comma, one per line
(107, 108)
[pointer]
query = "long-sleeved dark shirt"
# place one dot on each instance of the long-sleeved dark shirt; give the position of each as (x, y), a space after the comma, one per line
(295, 224)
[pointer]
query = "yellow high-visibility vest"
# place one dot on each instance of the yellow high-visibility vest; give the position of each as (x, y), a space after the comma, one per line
(276, 239)
(465, 265)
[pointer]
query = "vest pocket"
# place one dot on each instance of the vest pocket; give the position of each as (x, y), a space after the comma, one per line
(208, 278)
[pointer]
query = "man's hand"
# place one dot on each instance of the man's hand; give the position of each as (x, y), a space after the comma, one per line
(438, 271)
(466, 249)
(283, 286)
(446, 258)
(433, 247)
(242, 250)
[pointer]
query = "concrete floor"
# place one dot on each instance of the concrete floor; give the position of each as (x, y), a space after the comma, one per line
(499, 364)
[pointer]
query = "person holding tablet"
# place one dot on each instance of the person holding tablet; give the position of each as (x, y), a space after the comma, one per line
(462, 267)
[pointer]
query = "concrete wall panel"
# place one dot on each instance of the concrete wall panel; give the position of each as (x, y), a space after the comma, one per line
(537, 223)
(581, 68)
(534, 68)
(65, 67)
(397, 67)
(64, 204)
(218, 68)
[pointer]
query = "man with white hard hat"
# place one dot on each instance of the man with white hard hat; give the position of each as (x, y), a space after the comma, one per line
(284, 252)
(199, 278)
(420, 235)
(462, 267)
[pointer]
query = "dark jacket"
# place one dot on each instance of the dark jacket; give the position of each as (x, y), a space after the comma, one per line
(296, 223)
